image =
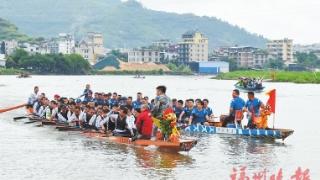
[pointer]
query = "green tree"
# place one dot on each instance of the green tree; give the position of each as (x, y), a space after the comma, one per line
(233, 66)
(308, 60)
(275, 64)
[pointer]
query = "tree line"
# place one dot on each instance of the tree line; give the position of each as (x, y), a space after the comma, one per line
(49, 63)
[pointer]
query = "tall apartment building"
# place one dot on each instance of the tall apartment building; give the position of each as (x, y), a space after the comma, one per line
(144, 55)
(281, 49)
(193, 48)
(91, 47)
(66, 43)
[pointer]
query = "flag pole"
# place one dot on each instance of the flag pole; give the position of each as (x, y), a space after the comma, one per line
(273, 120)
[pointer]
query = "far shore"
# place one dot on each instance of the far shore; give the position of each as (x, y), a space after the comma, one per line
(304, 77)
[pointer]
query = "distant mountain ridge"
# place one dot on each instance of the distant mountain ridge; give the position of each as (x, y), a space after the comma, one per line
(123, 24)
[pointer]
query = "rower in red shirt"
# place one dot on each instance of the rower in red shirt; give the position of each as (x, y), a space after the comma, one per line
(144, 123)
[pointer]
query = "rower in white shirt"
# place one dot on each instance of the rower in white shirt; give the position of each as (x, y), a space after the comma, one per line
(34, 96)
(74, 118)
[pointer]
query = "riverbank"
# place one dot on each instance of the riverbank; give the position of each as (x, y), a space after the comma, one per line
(10, 71)
(274, 76)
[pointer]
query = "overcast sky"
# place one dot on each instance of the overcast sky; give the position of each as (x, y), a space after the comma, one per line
(296, 19)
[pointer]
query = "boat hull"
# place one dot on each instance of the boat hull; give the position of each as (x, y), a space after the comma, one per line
(182, 145)
(249, 89)
(259, 133)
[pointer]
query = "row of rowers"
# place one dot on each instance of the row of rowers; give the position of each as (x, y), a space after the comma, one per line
(121, 114)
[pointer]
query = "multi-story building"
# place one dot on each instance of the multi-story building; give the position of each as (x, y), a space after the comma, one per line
(193, 48)
(91, 47)
(245, 56)
(86, 51)
(144, 55)
(162, 43)
(30, 48)
(9, 46)
(281, 49)
(66, 43)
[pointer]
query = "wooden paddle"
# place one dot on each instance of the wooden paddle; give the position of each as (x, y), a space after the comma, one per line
(29, 122)
(12, 108)
(20, 117)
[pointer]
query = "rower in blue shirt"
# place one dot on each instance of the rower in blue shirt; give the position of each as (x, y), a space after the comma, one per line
(178, 108)
(137, 103)
(207, 108)
(253, 106)
(186, 113)
(199, 115)
(114, 100)
(237, 104)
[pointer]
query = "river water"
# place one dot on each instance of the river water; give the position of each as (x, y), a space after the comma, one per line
(29, 152)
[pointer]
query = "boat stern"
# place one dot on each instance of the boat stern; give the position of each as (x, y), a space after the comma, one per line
(187, 145)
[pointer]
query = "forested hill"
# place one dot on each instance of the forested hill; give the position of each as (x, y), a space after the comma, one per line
(124, 24)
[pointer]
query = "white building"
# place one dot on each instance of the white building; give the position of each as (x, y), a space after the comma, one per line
(10, 46)
(143, 55)
(91, 47)
(2, 60)
(281, 49)
(168, 56)
(86, 51)
(66, 43)
(162, 43)
(30, 48)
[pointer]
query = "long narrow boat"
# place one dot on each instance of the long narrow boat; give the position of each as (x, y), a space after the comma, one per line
(259, 133)
(181, 145)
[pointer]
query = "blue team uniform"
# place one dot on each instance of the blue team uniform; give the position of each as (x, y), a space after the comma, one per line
(113, 102)
(177, 111)
(187, 112)
(237, 104)
(209, 111)
(136, 104)
(199, 116)
(254, 106)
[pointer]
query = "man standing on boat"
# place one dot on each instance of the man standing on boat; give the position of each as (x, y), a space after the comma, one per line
(86, 92)
(253, 106)
(161, 102)
(237, 104)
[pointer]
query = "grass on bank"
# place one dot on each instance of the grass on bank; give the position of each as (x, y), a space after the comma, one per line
(10, 71)
(274, 76)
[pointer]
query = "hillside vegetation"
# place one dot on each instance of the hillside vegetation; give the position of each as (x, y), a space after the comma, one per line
(123, 24)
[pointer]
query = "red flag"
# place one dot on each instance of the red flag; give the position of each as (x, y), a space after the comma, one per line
(272, 100)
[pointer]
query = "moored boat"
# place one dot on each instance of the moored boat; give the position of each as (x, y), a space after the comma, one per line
(24, 75)
(258, 133)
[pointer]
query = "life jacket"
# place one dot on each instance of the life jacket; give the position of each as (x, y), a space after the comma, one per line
(65, 115)
(87, 119)
(121, 124)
